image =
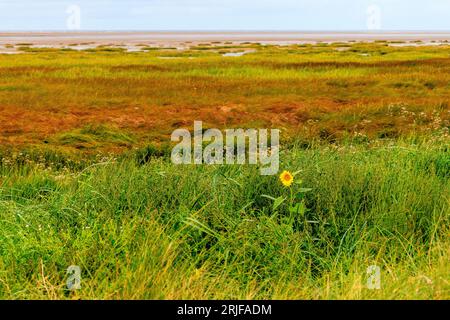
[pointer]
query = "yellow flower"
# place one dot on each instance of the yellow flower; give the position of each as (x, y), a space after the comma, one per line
(286, 178)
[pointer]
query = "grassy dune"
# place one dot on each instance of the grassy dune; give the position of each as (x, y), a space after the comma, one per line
(85, 177)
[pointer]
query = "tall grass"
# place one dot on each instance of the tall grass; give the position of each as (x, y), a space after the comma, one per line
(80, 186)
(159, 231)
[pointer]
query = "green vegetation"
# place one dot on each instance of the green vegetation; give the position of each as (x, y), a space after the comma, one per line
(162, 231)
(86, 179)
(324, 91)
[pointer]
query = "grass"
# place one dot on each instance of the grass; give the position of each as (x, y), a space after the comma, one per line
(86, 179)
(93, 136)
(158, 231)
(301, 90)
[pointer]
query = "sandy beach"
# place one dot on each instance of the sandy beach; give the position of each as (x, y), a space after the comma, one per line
(179, 38)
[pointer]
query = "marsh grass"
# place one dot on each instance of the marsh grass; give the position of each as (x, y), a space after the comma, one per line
(159, 231)
(93, 136)
(86, 179)
(314, 91)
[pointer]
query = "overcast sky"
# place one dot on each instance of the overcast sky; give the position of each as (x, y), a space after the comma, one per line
(333, 15)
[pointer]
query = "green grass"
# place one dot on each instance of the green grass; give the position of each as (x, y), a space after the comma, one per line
(159, 231)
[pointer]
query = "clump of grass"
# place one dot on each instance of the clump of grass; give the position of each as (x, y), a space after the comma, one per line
(151, 152)
(147, 48)
(92, 137)
(106, 49)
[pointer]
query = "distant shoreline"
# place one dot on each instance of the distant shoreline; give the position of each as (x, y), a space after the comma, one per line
(174, 37)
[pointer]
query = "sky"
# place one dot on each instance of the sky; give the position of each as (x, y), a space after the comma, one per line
(307, 15)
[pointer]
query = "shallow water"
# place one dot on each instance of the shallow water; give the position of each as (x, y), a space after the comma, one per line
(236, 54)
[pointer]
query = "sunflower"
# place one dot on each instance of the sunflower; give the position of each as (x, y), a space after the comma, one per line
(286, 178)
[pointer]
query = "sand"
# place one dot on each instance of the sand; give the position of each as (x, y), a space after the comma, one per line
(180, 39)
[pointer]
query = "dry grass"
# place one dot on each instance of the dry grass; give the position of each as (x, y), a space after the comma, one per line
(314, 92)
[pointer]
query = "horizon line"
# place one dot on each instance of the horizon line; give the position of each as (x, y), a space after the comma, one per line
(228, 30)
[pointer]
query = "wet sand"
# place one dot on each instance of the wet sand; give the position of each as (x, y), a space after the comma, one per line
(182, 38)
